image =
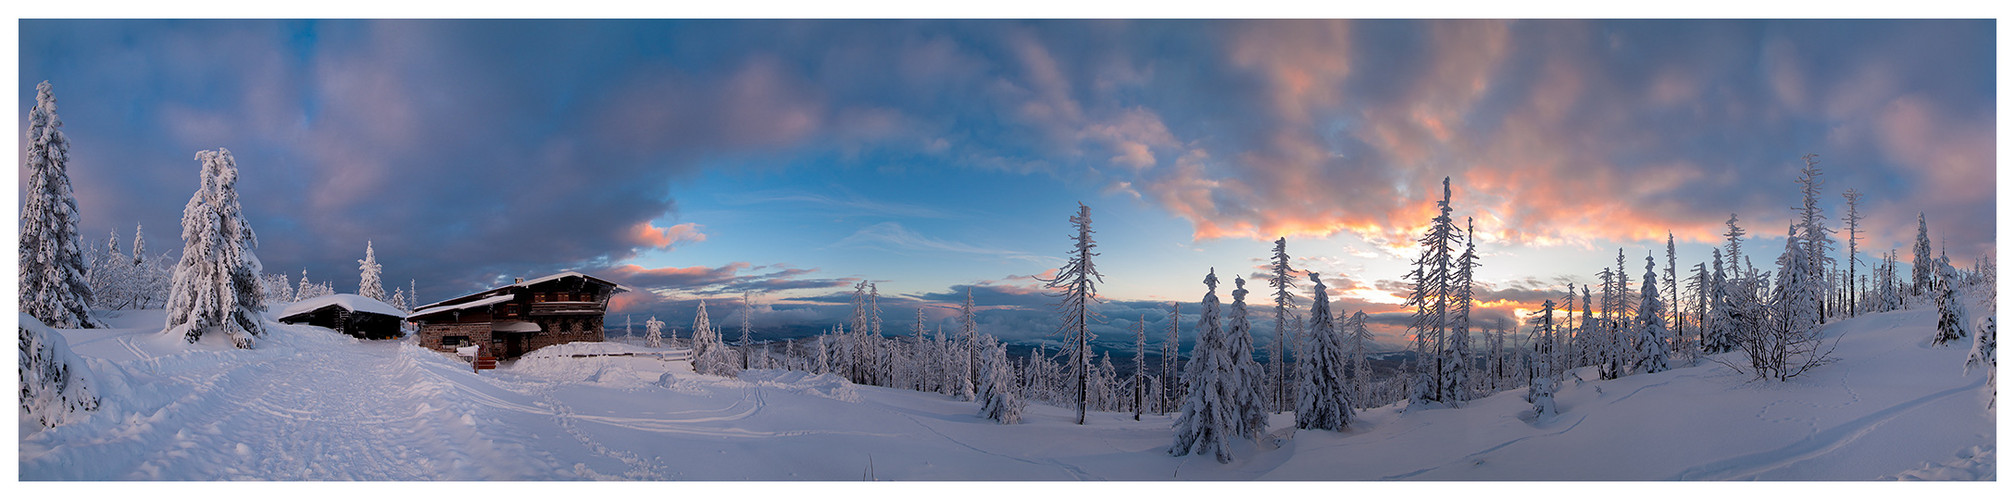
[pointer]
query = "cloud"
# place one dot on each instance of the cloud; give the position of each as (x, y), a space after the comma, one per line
(650, 236)
(893, 236)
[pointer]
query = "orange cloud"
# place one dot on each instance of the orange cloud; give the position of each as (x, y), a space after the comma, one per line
(647, 235)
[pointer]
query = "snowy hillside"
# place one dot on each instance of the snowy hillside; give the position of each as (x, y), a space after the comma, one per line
(312, 404)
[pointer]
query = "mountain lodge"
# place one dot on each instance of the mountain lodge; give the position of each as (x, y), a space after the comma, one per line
(521, 317)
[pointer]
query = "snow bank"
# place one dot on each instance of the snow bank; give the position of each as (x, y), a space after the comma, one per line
(56, 385)
(824, 385)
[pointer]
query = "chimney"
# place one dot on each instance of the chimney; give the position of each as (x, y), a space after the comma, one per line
(520, 280)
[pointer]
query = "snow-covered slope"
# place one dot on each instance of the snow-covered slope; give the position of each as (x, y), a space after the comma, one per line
(313, 404)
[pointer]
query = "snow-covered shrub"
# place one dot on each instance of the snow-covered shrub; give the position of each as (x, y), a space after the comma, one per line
(999, 400)
(56, 386)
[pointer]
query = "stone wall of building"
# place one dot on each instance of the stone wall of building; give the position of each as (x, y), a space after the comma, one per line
(432, 333)
(561, 330)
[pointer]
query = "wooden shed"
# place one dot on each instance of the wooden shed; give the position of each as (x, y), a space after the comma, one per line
(354, 315)
(520, 317)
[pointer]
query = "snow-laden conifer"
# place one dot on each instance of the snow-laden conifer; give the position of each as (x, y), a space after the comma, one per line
(54, 286)
(371, 284)
(1734, 239)
(1952, 320)
(1455, 353)
(1076, 288)
(1209, 417)
(216, 286)
(1322, 400)
(1251, 377)
(1853, 222)
(1139, 365)
(999, 399)
(1921, 266)
(1432, 276)
(1983, 356)
(966, 352)
(710, 355)
(654, 332)
(1651, 348)
(1359, 340)
(1281, 279)
(1171, 392)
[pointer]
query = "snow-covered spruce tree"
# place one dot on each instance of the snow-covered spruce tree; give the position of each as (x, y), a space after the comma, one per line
(1697, 285)
(56, 386)
(1322, 400)
(850, 354)
(654, 332)
(1651, 348)
(1209, 417)
(999, 399)
(1721, 324)
(1280, 394)
(1139, 365)
(1245, 395)
(1952, 319)
(1431, 277)
(1672, 283)
(749, 311)
(1983, 356)
(1853, 222)
(1921, 265)
(54, 288)
(966, 352)
(1076, 287)
(370, 285)
(1734, 239)
(1610, 360)
(216, 286)
(1455, 352)
(1171, 391)
(278, 289)
(1542, 380)
(1813, 233)
(710, 355)
(1360, 358)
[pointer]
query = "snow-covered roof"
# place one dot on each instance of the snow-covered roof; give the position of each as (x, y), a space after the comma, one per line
(349, 301)
(465, 305)
(529, 282)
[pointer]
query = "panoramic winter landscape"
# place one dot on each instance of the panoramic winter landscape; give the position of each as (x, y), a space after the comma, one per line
(1291, 250)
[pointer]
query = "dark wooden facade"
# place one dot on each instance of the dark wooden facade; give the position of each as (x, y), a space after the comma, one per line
(511, 320)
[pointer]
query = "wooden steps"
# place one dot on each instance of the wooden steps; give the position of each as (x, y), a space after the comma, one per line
(485, 362)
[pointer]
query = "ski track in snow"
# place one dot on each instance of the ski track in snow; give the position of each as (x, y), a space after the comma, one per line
(1818, 444)
(1471, 458)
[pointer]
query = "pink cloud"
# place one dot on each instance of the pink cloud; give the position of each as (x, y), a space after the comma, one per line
(649, 236)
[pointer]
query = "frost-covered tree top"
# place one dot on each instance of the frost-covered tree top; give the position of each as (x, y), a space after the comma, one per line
(53, 283)
(371, 285)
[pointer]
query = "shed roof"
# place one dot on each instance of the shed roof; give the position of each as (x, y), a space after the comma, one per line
(352, 302)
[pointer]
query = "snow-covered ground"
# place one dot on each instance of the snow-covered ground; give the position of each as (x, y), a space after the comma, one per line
(313, 404)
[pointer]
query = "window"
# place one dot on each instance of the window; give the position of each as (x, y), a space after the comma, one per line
(454, 340)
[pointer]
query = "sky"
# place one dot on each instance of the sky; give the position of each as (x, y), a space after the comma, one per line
(699, 160)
